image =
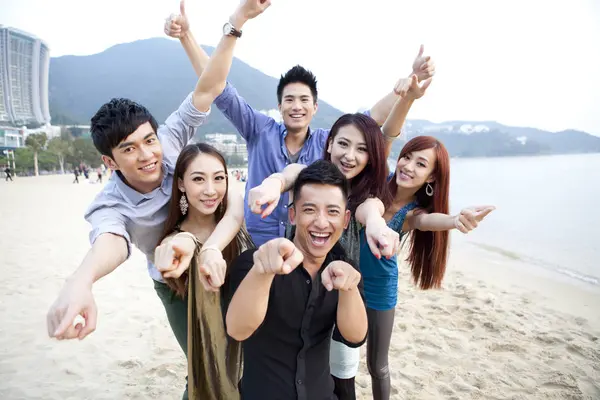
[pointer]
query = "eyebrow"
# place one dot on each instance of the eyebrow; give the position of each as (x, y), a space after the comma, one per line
(423, 158)
(297, 95)
(127, 144)
(204, 173)
(348, 140)
(329, 206)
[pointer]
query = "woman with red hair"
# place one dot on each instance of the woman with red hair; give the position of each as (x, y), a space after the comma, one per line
(420, 190)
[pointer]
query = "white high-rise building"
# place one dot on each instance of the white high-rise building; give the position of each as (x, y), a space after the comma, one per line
(24, 65)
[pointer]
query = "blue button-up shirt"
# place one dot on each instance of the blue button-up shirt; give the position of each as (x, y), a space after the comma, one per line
(267, 154)
(139, 218)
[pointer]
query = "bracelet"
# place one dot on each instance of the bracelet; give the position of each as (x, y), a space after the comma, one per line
(191, 236)
(206, 248)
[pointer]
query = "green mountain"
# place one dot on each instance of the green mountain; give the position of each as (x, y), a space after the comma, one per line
(157, 73)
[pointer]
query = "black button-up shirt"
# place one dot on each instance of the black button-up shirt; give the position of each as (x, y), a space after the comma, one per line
(287, 357)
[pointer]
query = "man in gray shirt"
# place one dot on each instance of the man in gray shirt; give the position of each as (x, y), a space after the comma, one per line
(132, 207)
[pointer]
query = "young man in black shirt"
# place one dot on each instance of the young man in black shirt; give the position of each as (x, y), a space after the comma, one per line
(287, 296)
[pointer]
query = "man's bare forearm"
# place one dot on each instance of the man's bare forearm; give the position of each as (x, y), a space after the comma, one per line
(195, 53)
(352, 316)
(214, 77)
(248, 306)
(107, 253)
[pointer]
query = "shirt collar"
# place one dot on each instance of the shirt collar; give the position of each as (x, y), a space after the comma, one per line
(134, 197)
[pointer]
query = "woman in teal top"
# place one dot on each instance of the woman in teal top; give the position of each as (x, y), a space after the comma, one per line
(420, 191)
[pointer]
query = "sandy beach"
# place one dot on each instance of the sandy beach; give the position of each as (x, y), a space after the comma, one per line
(499, 329)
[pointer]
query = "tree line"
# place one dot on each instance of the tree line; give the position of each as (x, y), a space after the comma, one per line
(58, 154)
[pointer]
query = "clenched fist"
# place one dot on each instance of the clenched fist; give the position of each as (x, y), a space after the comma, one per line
(340, 275)
(278, 256)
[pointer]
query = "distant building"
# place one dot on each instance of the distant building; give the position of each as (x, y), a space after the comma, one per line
(24, 65)
(221, 137)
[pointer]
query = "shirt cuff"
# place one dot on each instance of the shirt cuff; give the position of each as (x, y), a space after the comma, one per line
(190, 115)
(113, 229)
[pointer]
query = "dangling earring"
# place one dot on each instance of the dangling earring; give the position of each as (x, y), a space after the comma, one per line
(183, 204)
(429, 190)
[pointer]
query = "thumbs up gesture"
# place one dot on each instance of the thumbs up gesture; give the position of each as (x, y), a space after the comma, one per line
(340, 275)
(176, 26)
(278, 256)
(423, 66)
(470, 217)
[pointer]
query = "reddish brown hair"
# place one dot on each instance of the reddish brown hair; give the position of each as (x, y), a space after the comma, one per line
(371, 181)
(429, 250)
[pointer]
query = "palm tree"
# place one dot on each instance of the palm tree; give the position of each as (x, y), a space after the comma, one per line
(36, 142)
(61, 148)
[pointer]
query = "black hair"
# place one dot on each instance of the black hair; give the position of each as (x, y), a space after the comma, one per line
(322, 172)
(116, 120)
(298, 74)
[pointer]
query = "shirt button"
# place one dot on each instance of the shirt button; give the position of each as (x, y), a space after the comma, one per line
(281, 223)
(308, 281)
(299, 381)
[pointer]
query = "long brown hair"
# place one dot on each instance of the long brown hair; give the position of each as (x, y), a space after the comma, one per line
(429, 250)
(175, 217)
(372, 180)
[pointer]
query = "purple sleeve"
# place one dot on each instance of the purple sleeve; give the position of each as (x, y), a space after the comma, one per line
(246, 119)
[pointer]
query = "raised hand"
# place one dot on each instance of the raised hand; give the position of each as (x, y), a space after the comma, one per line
(340, 275)
(176, 26)
(74, 300)
(382, 240)
(411, 89)
(277, 256)
(211, 268)
(252, 8)
(267, 193)
(173, 258)
(423, 66)
(470, 217)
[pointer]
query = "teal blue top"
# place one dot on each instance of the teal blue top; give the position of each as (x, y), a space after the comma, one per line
(381, 276)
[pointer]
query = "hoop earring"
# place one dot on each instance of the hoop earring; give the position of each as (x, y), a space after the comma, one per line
(183, 204)
(429, 190)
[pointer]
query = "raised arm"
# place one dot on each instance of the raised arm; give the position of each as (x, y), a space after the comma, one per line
(395, 121)
(467, 220)
(251, 286)
(247, 120)
(178, 26)
(214, 77)
(423, 67)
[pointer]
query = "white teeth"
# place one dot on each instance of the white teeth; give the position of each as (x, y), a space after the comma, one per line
(318, 234)
(149, 167)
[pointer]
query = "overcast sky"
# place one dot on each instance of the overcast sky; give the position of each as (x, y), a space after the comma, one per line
(523, 63)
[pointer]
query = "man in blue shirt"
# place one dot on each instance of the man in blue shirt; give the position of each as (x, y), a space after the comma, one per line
(271, 144)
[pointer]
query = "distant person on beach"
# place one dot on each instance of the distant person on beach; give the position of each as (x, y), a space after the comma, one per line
(133, 205)
(8, 174)
(197, 204)
(76, 173)
(272, 145)
(99, 175)
(289, 295)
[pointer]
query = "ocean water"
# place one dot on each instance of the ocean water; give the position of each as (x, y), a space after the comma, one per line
(547, 209)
